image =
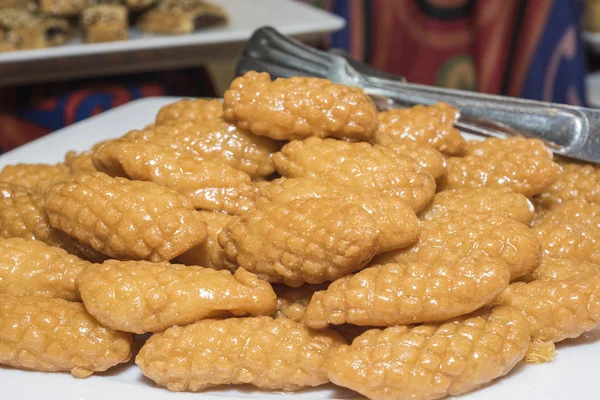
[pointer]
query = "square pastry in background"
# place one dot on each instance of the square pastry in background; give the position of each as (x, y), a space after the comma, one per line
(104, 23)
(30, 5)
(63, 7)
(181, 17)
(20, 30)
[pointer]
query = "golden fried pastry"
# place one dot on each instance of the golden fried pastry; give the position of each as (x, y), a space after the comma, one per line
(33, 176)
(57, 335)
(140, 296)
(428, 158)
(33, 268)
(358, 165)
(303, 241)
(22, 215)
(576, 182)
(216, 140)
(523, 165)
(209, 254)
(398, 294)
(351, 332)
(199, 110)
(431, 126)
(184, 172)
(570, 230)
(480, 200)
(80, 163)
(457, 234)
(125, 219)
(297, 108)
(271, 354)
(556, 309)
(432, 361)
(398, 224)
(292, 302)
(553, 269)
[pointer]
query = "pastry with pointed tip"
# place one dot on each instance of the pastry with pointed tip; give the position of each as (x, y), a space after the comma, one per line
(140, 296)
(80, 163)
(398, 294)
(198, 110)
(33, 268)
(125, 219)
(357, 165)
(271, 354)
(431, 126)
(522, 165)
(303, 241)
(432, 361)
(57, 335)
(398, 224)
(299, 107)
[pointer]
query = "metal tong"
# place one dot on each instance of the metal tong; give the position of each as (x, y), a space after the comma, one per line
(568, 130)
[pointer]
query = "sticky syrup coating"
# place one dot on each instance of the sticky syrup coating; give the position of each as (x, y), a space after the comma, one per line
(358, 165)
(303, 241)
(209, 254)
(398, 224)
(57, 335)
(272, 354)
(570, 230)
(522, 165)
(297, 108)
(497, 235)
(556, 269)
(480, 200)
(428, 158)
(140, 296)
(292, 302)
(184, 172)
(125, 219)
(22, 215)
(33, 268)
(431, 126)
(399, 294)
(432, 361)
(33, 175)
(217, 140)
(80, 163)
(576, 182)
(198, 110)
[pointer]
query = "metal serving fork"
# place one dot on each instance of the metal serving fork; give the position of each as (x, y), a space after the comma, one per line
(568, 130)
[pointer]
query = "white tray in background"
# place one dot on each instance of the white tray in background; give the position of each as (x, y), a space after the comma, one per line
(147, 52)
(573, 375)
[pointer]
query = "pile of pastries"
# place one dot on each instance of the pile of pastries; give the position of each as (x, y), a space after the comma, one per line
(28, 24)
(291, 236)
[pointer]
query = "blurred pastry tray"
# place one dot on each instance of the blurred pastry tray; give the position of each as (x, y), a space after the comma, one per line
(145, 52)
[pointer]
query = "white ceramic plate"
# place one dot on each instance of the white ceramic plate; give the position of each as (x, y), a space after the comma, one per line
(571, 376)
(145, 52)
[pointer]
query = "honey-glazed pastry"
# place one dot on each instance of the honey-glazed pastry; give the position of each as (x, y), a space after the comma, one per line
(33, 175)
(432, 361)
(125, 219)
(480, 200)
(398, 224)
(557, 269)
(428, 158)
(303, 241)
(358, 165)
(522, 165)
(187, 174)
(576, 182)
(140, 296)
(431, 126)
(292, 302)
(104, 23)
(399, 294)
(298, 108)
(460, 234)
(216, 140)
(266, 353)
(80, 163)
(22, 215)
(181, 17)
(57, 335)
(209, 254)
(186, 110)
(33, 268)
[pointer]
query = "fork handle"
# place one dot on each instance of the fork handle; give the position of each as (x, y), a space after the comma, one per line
(576, 129)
